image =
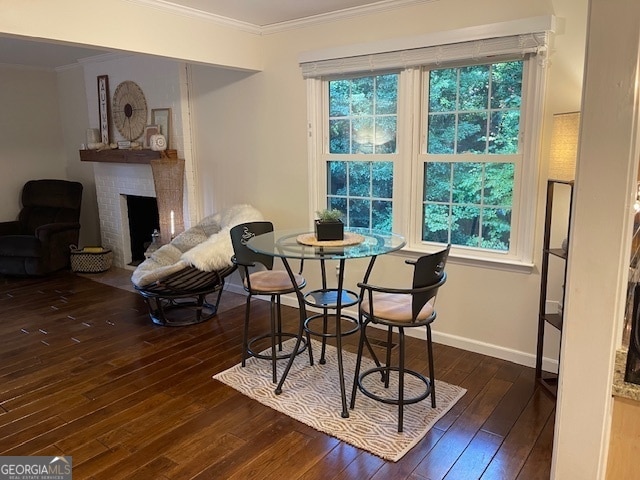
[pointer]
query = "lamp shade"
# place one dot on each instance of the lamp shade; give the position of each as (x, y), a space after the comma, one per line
(168, 179)
(564, 146)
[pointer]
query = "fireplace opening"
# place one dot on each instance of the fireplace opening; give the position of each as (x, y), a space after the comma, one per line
(143, 220)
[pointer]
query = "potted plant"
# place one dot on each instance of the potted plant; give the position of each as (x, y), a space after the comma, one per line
(329, 225)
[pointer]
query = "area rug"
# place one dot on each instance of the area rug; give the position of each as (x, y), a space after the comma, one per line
(311, 395)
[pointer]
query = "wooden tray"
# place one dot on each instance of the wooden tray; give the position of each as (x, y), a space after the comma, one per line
(349, 239)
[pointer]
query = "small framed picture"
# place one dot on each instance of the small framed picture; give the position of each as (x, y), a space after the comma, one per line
(162, 118)
(148, 131)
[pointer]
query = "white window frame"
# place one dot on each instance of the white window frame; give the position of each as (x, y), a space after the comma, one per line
(408, 166)
(525, 185)
(319, 142)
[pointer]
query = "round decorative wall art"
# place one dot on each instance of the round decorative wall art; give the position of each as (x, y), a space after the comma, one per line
(129, 110)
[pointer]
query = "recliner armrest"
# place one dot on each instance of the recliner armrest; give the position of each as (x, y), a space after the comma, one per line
(11, 228)
(44, 232)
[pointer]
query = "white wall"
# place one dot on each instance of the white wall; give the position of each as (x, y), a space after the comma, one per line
(74, 122)
(609, 152)
(158, 78)
(162, 82)
(252, 147)
(42, 124)
(31, 140)
(133, 27)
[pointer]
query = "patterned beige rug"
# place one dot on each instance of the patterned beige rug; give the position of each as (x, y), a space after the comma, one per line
(311, 395)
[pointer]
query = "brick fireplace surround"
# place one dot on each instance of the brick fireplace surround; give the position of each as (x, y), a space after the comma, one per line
(113, 182)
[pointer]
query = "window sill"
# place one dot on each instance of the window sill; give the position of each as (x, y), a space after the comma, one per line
(458, 259)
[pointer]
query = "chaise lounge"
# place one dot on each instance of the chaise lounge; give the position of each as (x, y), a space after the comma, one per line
(176, 278)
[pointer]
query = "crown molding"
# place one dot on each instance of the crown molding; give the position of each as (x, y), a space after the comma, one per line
(372, 8)
(172, 8)
(381, 6)
(105, 57)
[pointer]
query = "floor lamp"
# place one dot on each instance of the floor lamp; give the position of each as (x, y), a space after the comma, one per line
(564, 146)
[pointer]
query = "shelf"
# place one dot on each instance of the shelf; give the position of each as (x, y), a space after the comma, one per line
(550, 381)
(328, 298)
(554, 319)
(558, 252)
(143, 156)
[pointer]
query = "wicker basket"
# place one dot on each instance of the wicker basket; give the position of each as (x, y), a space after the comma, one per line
(90, 259)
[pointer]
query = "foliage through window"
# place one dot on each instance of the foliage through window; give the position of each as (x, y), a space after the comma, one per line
(364, 190)
(472, 113)
(434, 143)
(362, 122)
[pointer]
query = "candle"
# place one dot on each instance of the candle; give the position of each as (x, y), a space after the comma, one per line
(173, 225)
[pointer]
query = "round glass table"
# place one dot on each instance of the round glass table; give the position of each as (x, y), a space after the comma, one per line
(302, 245)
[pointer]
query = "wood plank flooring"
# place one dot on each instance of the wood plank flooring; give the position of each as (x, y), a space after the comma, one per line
(84, 372)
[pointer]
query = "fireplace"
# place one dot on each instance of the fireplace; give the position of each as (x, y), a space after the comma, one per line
(114, 183)
(142, 213)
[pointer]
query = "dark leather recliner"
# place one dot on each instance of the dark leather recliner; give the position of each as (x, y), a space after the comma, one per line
(37, 243)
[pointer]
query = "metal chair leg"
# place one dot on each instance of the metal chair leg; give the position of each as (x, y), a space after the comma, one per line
(400, 378)
(245, 335)
(431, 369)
(273, 335)
(279, 331)
(388, 359)
(354, 389)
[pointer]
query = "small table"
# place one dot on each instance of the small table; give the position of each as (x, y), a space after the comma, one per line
(301, 245)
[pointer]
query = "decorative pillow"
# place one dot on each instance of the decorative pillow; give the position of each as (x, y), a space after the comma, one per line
(206, 246)
(190, 238)
(216, 252)
(210, 224)
(162, 263)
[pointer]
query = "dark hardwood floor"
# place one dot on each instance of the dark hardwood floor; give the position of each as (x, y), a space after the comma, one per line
(85, 373)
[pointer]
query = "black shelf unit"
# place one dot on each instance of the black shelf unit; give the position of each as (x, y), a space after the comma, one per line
(549, 380)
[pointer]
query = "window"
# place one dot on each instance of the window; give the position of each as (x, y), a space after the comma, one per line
(471, 153)
(362, 122)
(438, 143)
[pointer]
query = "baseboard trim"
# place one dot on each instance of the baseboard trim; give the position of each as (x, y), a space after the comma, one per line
(469, 344)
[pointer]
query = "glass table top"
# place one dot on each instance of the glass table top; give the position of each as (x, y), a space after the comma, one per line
(301, 244)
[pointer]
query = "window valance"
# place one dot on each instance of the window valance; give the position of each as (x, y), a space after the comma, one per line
(477, 43)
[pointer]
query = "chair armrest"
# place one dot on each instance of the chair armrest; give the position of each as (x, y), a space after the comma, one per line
(11, 228)
(235, 261)
(407, 291)
(45, 232)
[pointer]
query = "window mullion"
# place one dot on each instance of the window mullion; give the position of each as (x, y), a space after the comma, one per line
(317, 138)
(409, 169)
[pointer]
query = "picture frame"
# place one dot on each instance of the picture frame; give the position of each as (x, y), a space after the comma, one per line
(150, 130)
(104, 113)
(162, 118)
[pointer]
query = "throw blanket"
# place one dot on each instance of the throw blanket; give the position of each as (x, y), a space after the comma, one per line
(206, 246)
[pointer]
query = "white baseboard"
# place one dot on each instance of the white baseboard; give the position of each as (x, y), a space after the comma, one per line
(469, 344)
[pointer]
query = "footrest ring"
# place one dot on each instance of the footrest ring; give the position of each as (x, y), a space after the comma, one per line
(394, 400)
(318, 316)
(251, 353)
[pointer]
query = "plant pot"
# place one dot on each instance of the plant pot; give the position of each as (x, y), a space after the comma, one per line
(326, 231)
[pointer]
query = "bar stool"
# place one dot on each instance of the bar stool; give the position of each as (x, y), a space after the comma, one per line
(259, 278)
(400, 309)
